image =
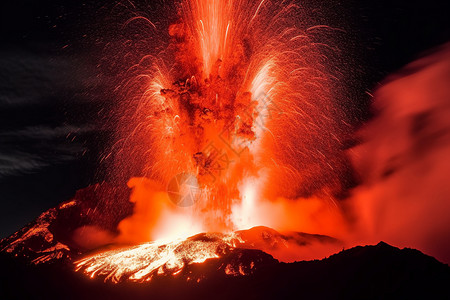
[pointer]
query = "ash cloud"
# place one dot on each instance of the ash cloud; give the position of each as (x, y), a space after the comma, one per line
(36, 91)
(36, 147)
(27, 78)
(404, 160)
(49, 125)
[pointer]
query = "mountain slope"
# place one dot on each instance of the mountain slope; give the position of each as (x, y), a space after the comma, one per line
(369, 272)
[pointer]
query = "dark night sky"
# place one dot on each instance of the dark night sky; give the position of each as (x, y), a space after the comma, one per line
(52, 103)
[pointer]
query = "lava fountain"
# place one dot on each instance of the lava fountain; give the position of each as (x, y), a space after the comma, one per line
(234, 118)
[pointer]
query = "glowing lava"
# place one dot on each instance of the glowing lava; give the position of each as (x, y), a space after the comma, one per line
(140, 263)
(171, 257)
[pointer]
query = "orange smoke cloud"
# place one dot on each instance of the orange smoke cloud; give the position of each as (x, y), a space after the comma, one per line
(92, 237)
(149, 201)
(319, 215)
(155, 216)
(404, 160)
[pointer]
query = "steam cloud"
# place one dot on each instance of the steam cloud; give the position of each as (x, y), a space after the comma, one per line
(404, 160)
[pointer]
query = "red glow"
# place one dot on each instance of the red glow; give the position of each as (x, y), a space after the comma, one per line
(404, 160)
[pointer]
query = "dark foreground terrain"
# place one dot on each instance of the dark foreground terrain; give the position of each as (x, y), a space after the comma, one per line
(370, 272)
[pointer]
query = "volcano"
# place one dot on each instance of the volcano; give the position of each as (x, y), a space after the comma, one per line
(54, 237)
(227, 173)
(44, 259)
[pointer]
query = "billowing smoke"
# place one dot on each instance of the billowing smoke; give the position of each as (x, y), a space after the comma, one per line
(155, 216)
(404, 160)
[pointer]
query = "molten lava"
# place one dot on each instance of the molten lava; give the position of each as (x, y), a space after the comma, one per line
(142, 262)
(175, 256)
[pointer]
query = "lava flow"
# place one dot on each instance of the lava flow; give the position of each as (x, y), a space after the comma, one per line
(236, 124)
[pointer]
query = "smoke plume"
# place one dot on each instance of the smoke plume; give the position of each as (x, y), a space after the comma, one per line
(404, 160)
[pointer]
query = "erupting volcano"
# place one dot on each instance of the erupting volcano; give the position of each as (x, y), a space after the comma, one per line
(230, 122)
(232, 136)
(242, 112)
